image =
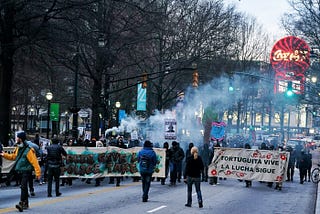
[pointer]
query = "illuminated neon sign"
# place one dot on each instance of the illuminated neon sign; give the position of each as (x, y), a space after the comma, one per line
(290, 54)
(290, 58)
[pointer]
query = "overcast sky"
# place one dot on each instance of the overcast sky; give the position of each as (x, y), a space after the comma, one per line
(267, 13)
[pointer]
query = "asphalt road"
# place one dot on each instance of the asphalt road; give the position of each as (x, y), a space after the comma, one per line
(229, 197)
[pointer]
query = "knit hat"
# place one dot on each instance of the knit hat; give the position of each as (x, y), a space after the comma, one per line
(147, 143)
(22, 136)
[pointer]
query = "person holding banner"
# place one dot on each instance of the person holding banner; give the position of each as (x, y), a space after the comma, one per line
(248, 182)
(194, 168)
(147, 160)
(26, 162)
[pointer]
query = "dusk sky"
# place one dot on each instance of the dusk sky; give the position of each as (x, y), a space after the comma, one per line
(267, 13)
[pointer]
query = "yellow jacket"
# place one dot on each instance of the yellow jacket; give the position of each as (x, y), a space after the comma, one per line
(31, 157)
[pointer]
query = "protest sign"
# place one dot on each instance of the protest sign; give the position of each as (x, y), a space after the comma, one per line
(249, 164)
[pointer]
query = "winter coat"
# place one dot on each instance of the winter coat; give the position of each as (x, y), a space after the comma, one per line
(194, 167)
(28, 159)
(54, 155)
(176, 155)
(147, 160)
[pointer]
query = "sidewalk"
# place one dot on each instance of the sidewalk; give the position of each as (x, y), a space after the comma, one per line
(315, 161)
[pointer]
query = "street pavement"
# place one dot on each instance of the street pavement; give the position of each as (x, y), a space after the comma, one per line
(229, 197)
(315, 161)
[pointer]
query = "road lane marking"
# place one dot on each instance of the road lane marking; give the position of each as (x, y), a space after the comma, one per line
(71, 197)
(156, 209)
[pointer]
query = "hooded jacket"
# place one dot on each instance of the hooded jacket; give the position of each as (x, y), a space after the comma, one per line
(28, 160)
(147, 160)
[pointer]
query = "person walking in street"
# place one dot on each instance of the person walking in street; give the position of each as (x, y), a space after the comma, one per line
(205, 154)
(166, 147)
(26, 162)
(194, 167)
(38, 154)
(309, 166)
(302, 164)
(176, 156)
(291, 163)
(147, 160)
(54, 161)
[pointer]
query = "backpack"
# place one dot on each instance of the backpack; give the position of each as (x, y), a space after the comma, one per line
(144, 163)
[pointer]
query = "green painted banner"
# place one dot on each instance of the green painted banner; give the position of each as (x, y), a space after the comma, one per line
(54, 111)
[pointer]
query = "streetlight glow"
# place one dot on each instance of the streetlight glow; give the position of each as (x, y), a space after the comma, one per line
(49, 97)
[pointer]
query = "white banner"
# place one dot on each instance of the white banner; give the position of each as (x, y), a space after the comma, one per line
(249, 164)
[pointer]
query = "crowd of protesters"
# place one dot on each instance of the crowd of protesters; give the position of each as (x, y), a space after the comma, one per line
(176, 164)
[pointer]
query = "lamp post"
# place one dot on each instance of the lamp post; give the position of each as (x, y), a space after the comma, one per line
(74, 110)
(49, 97)
(118, 105)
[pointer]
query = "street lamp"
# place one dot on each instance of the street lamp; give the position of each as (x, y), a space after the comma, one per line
(49, 97)
(118, 105)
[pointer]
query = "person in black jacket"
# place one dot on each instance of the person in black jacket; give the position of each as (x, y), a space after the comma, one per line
(176, 156)
(54, 161)
(120, 144)
(194, 167)
(302, 164)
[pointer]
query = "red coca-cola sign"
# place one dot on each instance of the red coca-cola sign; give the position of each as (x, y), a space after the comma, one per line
(290, 56)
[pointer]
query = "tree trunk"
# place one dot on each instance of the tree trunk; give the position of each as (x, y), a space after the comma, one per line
(6, 72)
(95, 110)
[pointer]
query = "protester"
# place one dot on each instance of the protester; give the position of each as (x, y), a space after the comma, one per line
(309, 166)
(194, 167)
(68, 181)
(26, 162)
(291, 163)
(179, 165)
(119, 144)
(54, 161)
(214, 180)
(302, 164)
(248, 182)
(147, 160)
(205, 154)
(176, 157)
(38, 154)
(166, 147)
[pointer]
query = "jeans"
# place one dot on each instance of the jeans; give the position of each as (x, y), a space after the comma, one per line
(53, 172)
(196, 182)
(146, 182)
(173, 172)
(24, 186)
(30, 182)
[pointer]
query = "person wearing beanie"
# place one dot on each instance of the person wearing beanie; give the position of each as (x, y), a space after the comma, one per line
(147, 161)
(194, 167)
(26, 162)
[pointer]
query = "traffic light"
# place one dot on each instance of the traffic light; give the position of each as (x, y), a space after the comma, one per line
(289, 91)
(144, 80)
(195, 79)
(314, 111)
(231, 88)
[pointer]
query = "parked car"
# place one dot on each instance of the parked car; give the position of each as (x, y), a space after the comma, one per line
(294, 142)
(316, 140)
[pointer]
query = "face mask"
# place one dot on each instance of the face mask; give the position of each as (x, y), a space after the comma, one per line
(20, 145)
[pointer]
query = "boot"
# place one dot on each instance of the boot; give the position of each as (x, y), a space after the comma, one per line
(200, 205)
(25, 205)
(19, 206)
(22, 206)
